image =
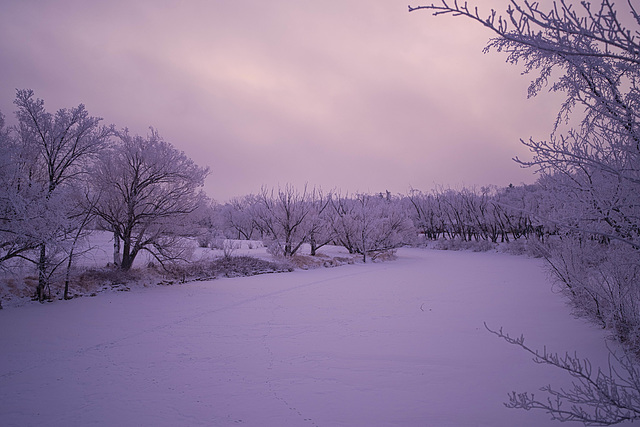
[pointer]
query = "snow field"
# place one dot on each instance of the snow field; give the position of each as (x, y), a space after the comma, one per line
(398, 343)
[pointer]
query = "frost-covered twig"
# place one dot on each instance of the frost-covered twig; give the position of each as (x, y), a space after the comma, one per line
(601, 398)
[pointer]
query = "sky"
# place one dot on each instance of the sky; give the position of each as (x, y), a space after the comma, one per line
(353, 95)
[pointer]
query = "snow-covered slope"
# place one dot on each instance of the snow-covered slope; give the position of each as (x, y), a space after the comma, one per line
(398, 343)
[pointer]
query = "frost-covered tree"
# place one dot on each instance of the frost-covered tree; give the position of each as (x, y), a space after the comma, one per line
(51, 155)
(147, 190)
(455, 206)
(281, 215)
(488, 213)
(370, 225)
(520, 211)
(237, 217)
(425, 214)
(20, 228)
(318, 229)
(591, 162)
(344, 225)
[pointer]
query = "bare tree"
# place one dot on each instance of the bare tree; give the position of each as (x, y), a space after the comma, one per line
(147, 190)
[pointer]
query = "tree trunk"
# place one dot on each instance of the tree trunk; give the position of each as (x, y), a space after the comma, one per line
(42, 273)
(314, 248)
(68, 274)
(127, 254)
(116, 249)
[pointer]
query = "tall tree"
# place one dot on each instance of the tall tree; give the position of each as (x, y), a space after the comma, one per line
(54, 151)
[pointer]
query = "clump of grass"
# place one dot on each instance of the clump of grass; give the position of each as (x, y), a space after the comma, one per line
(228, 266)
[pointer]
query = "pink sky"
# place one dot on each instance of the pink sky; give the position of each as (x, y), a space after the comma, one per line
(348, 94)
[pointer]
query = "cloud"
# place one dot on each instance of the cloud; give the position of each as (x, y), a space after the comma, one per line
(344, 94)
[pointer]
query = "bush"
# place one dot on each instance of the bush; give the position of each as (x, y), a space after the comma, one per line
(274, 248)
(204, 239)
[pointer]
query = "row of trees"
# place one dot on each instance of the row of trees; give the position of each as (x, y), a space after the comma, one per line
(287, 218)
(589, 178)
(369, 224)
(490, 213)
(64, 174)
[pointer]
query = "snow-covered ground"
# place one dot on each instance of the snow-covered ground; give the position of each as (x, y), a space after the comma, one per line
(98, 251)
(397, 343)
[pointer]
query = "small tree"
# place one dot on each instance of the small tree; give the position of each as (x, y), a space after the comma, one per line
(318, 227)
(369, 225)
(237, 217)
(147, 190)
(282, 216)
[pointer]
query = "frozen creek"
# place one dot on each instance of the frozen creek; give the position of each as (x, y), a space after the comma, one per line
(398, 343)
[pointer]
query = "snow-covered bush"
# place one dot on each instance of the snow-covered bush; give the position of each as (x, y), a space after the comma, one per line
(205, 239)
(529, 247)
(274, 248)
(227, 246)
